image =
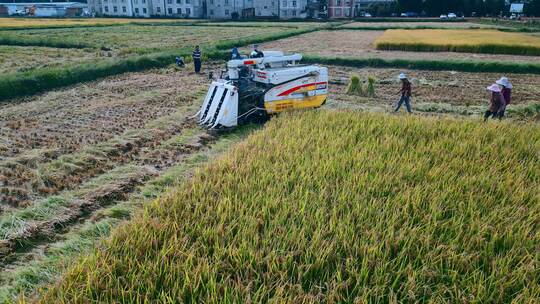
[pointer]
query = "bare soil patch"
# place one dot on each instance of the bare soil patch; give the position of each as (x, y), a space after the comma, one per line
(359, 44)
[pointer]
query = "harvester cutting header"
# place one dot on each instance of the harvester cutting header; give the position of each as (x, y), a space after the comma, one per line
(251, 89)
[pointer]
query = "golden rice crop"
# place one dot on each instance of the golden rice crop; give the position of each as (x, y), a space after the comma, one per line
(474, 41)
(337, 207)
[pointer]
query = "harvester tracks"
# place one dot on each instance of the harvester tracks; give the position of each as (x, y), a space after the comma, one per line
(149, 163)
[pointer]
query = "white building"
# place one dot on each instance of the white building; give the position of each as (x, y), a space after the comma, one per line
(142, 8)
(120, 8)
(226, 9)
(212, 9)
(48, 9)
(179, 8)
(95, 7)
(293, 9)
(284, 9)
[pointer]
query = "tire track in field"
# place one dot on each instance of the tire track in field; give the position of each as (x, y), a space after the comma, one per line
(150, 163)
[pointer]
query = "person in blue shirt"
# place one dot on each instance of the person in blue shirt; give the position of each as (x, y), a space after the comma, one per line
(235, 54)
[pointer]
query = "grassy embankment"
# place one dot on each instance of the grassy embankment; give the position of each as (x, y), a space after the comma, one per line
(468, 41)
(520, 26)
(338, 207)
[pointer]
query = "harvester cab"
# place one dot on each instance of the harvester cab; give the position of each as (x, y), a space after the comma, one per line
(251, 89)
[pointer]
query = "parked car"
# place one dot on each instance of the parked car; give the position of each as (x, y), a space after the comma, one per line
(19, 13)
(443, 17)
(452, 16)
(409, 14)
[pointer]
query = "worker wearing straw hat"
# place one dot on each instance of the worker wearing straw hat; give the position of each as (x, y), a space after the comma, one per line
(405, 92)
(506, 91)
(496, 102)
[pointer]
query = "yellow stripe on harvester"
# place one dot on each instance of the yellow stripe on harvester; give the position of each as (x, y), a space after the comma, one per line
(293, 104)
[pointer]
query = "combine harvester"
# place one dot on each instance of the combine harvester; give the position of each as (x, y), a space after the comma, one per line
(255, 88)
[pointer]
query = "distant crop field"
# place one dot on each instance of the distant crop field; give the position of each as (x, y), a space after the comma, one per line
(122, 40)
(470, 41)
(23, 58)
(450, 25)
(268, 24)
(337, 207)
(50, 22)
(360, 44)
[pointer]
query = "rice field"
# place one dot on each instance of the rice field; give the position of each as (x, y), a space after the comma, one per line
(67, 156)
(109, 192)
(24, 23)
(327, 206)
(449, 25)
(360, 44)
(468, 41)
(24, 58)
(129, 39)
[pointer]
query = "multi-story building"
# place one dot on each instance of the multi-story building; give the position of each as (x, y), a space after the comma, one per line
(341, 9)
(95, 7)
(47, 9)
(179, 8)
(213, 9)
(283, 9)
(142, 8)
(266, 8)
(120, 8)
(293, 9)
(227, 9)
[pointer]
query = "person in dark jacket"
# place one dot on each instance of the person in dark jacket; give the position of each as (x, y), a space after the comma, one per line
(406, 93)
(235, 55)
(197, 59)
(256, 53)
(496, 102)
(506, 91)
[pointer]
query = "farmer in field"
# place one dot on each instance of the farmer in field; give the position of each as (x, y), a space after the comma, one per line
(235, 55)
(506, 90)
(197, 59)
(496, 102)
(256, 53)
(406, 93)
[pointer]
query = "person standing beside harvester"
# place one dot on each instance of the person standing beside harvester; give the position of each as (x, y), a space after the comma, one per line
(406, 93)
(506, 91)
(197, 59)
(496, 102)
